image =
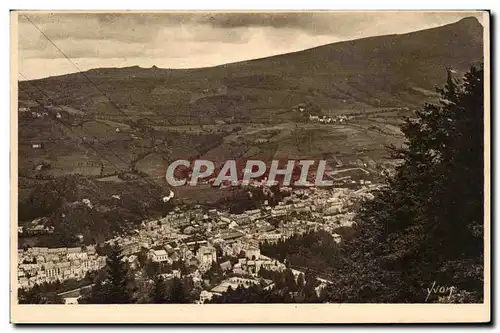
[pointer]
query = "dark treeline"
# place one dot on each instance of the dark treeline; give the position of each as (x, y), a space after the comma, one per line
(316, 250)
(424, 227)
(60, 200)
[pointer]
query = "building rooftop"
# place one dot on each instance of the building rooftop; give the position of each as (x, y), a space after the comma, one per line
(160, 253)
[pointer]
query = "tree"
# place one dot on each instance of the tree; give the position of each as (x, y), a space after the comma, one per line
(97, 295)
(159, 292)
(300, 281)
(215, 274)
(310, 287)
(177, 294)
(219, 251)
(290, 280)
(142, 256)
(152, 268)
(117, 286)
(31, 296)
(426, 223)
(196, 247)
(118, 278)
(264, 273)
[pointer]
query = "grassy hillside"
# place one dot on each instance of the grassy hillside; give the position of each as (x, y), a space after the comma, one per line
(240, 110)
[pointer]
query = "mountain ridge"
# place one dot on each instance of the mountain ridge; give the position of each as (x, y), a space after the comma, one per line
(471, 21)
(458, 43)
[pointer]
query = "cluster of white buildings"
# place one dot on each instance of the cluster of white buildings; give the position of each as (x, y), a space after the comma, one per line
(37, 226)
(329, 120)
(235, 281)
(37, 265)
(195, 237)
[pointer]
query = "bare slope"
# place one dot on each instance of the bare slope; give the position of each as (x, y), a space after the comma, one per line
(385, 71)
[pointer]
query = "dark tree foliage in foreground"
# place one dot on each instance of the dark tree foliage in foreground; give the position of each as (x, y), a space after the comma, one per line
(315, 250)
(39, 294)
(117, 287)
(425, 227)
(159, 292)
(177, 294)
(60, 201)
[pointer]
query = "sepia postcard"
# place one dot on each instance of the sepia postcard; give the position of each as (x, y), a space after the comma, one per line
(250, 167)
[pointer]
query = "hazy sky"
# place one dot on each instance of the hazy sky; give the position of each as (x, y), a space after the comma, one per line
(186, 40)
